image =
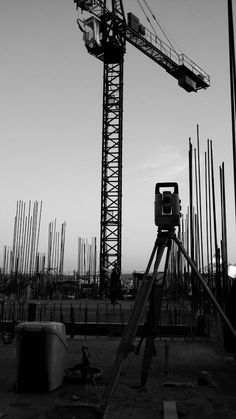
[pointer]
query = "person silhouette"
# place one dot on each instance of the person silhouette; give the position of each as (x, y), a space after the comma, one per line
(114, 284)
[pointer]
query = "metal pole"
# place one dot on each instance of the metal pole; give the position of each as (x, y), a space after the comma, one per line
(54, 244)
(217, 261)
(224, 212)
(24, 243)
(17, 235)
(209, 205)
(207, 217)
(191, 222)
(205, 286)
(38, 231)
(79, 254)
(224, 234)
(4, 260)
(191, 199)
(187, 234)
(95, 256)
(28, 240)
(32, 240)
(14, 241)
(49, 245)
(200, 200)
(28, 221)
(232, 88)
(213, 198)
(197, 246)
(63, 232)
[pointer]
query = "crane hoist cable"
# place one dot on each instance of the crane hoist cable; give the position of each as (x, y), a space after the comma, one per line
(161, 27)
(147, 18)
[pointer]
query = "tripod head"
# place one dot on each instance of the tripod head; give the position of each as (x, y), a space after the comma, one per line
(167, 205)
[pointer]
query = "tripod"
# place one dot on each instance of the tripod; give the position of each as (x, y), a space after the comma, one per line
(150, 285)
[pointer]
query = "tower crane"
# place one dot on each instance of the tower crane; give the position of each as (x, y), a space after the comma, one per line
(105, 32)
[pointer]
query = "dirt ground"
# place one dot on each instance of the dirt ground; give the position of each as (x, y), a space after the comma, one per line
(176, 374)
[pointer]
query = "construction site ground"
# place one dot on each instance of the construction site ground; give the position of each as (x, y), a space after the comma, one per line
(176, 375)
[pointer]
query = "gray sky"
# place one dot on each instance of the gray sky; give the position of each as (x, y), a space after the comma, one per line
(51, 120)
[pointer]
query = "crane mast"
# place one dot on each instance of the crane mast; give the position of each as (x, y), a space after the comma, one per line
(105, 38)
(112, 140)
(105, 34)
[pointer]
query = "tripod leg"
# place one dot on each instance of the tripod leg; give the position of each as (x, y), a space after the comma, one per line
(131, 328)
(154, 312)
(167, 263)
(205, 286)
(146, 325)
(153, 321)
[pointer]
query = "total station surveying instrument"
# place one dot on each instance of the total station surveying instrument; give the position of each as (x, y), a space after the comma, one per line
(167, 218)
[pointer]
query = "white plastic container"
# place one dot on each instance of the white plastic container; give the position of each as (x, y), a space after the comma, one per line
(40, 352)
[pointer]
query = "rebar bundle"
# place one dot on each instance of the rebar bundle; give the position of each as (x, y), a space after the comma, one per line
(87, 258)
(56, 248)
(199, 234)
(23, 257)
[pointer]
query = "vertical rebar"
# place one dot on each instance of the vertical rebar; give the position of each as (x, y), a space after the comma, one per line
(207, 216)
(213, 198)
(232, 88)
(38, 230)
(224, 251)
(209, 206)
(191, 199)
(200, 200)
(197, 247)
(79, 255)
(217, 256)
(191, 222)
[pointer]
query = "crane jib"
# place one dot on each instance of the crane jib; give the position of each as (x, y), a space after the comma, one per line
(190, 76)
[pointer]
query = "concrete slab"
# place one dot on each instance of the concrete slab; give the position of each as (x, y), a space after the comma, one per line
(213, 398)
